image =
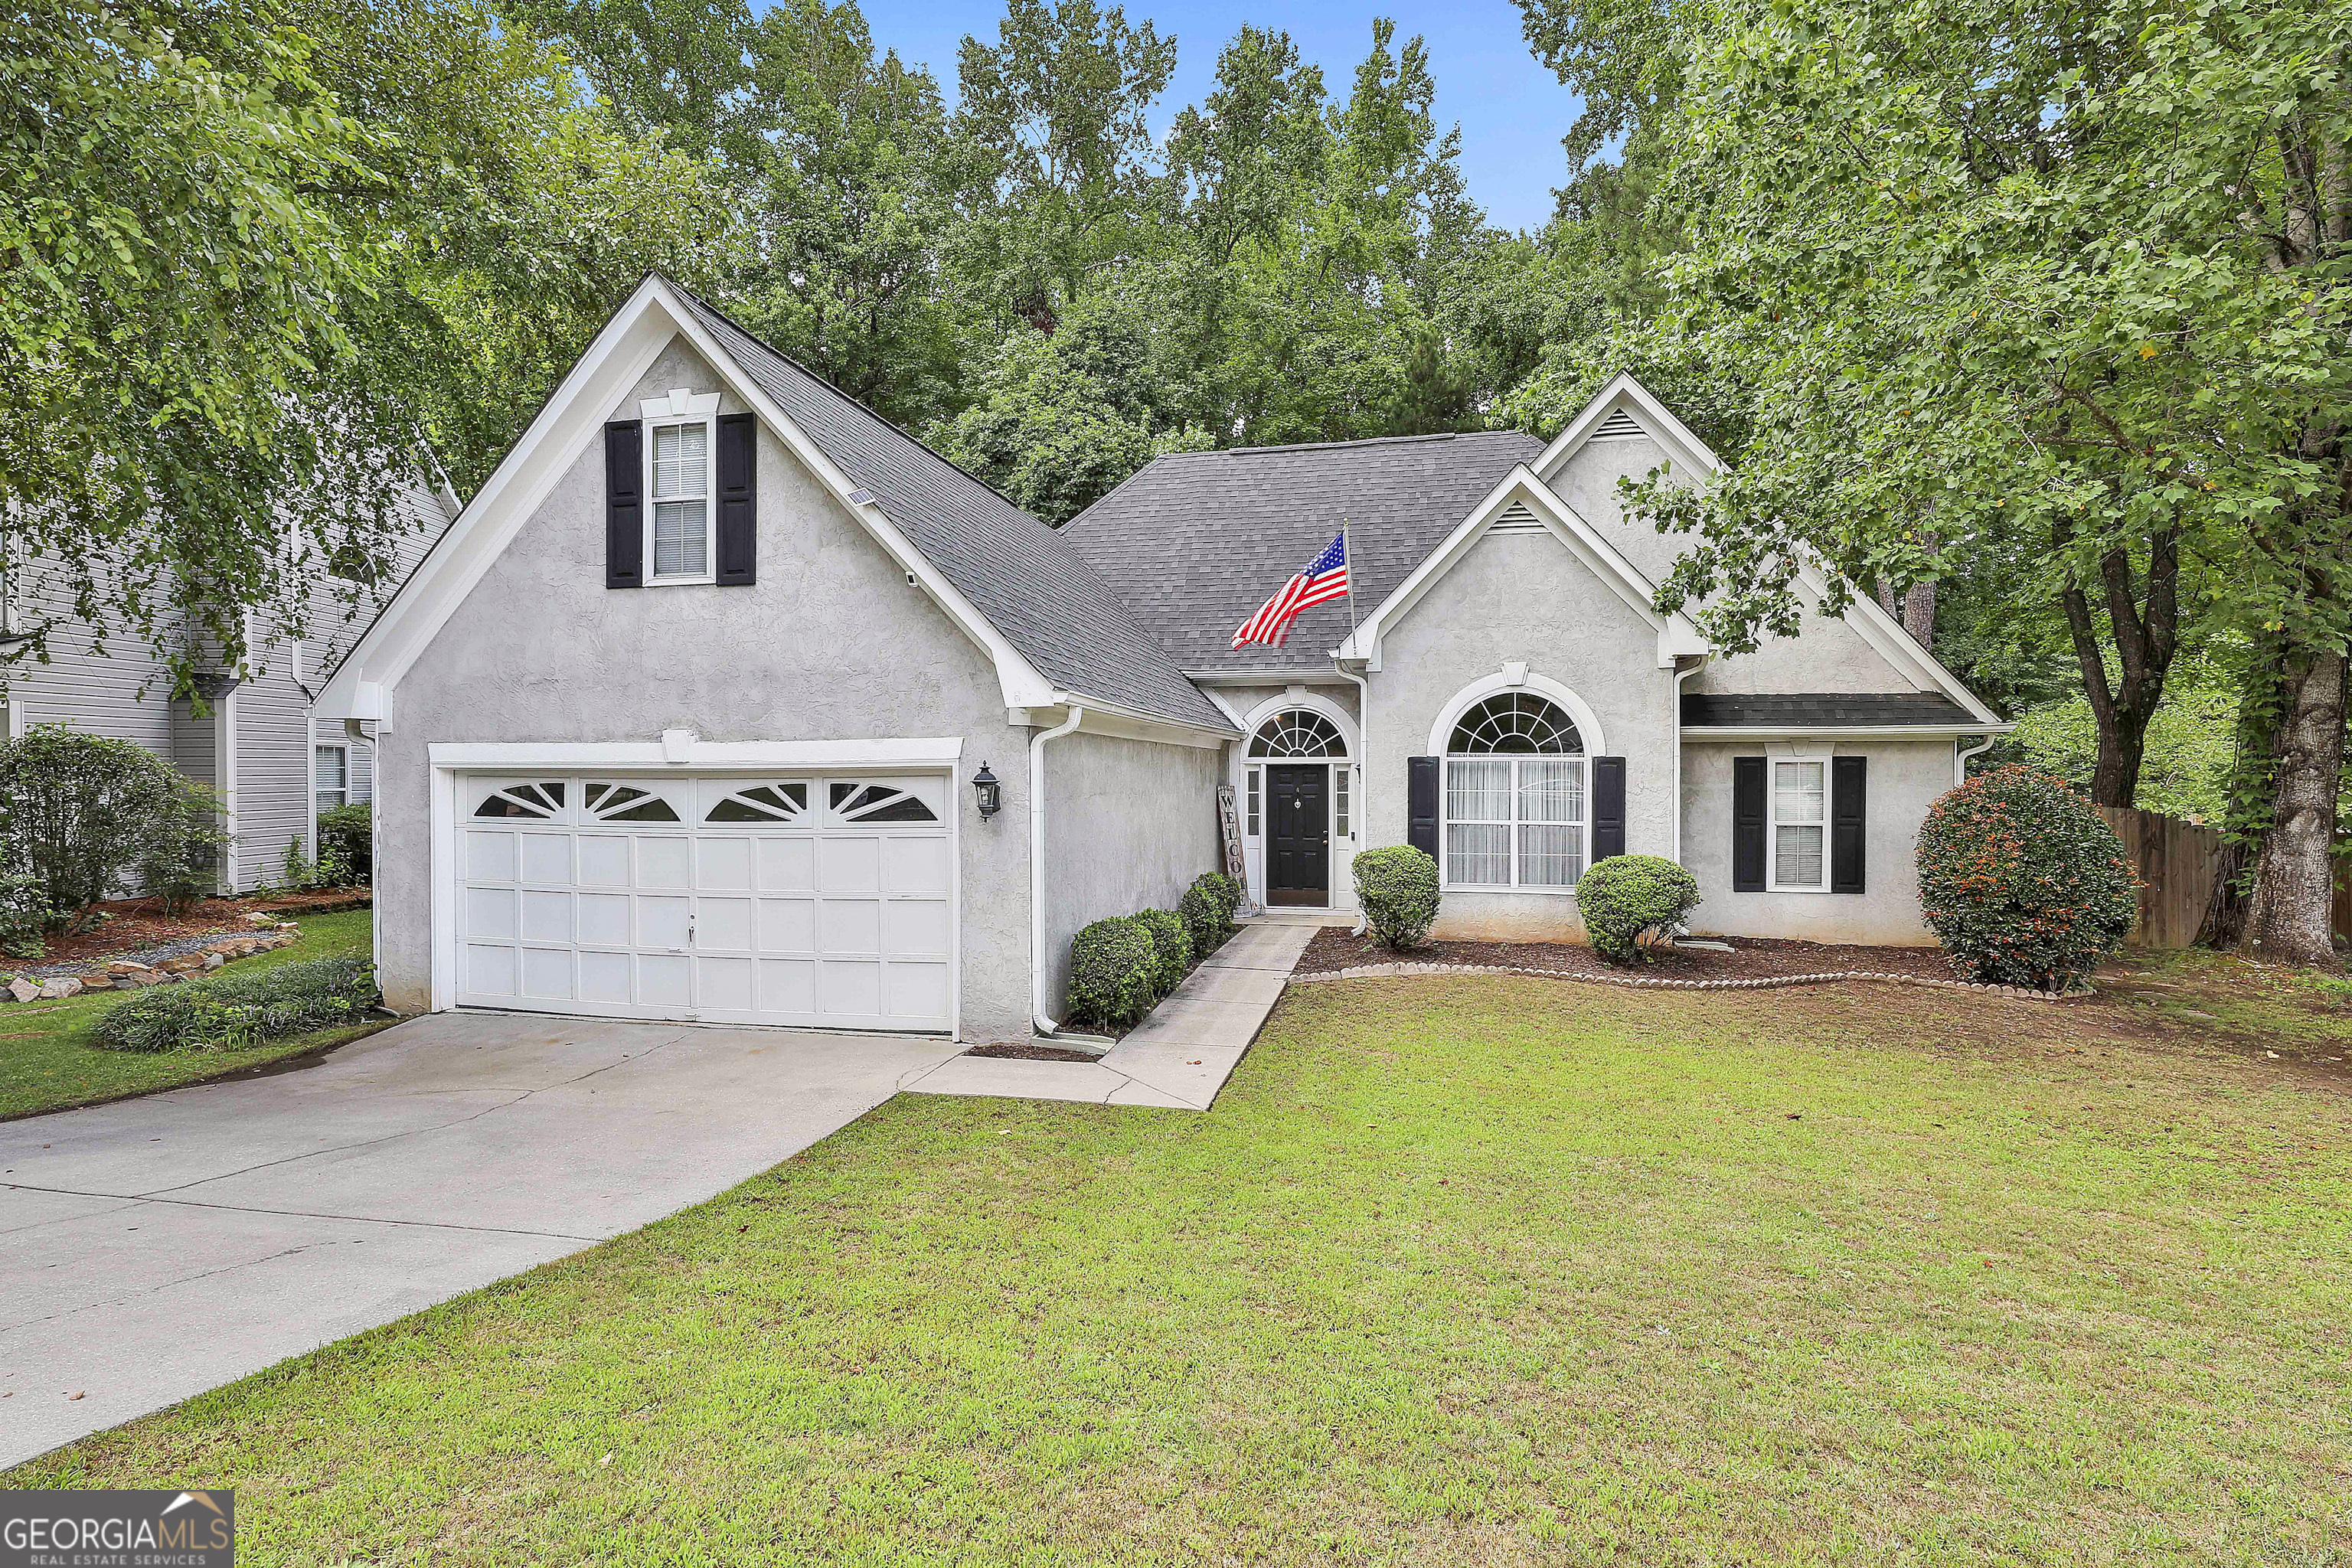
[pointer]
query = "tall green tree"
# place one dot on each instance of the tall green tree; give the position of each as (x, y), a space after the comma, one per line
(2066, 277)
(1066, 179)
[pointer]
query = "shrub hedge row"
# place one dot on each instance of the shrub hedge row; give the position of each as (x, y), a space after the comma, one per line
(231, 1012)
(1121, 966)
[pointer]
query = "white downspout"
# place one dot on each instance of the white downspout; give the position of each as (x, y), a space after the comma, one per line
(1681, 676)
(1045, 1023)
(1960, 759)
(1363, 760)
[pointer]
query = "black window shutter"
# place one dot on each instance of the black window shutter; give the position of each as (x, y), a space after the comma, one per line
(1747, 825)
(739, 510)
(1421, 805)
(625, 504)
(1608, 807)
(1849, 819)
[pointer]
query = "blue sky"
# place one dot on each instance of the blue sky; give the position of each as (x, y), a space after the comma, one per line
(1511, 109)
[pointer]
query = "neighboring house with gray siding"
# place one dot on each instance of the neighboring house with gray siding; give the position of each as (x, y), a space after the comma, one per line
(683, 716)
(257, 742)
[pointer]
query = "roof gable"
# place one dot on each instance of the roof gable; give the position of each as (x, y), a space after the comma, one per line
(1052, 627)
(1521, 502)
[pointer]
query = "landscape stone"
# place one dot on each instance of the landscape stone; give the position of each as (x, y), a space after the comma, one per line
(214, 961)
(58, 989)
(23, 990)
(260, 917)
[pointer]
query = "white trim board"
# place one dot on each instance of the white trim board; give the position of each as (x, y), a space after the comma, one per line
(1683, 447)
(616, 361)
(701, 756)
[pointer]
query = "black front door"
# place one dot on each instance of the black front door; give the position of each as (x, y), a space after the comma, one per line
(1298, 839)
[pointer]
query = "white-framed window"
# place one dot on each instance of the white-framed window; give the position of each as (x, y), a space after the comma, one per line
(1800, 805)
(681, 481)
(1515, 796)
(332, 779)
(1256, 784)
(1340, 829)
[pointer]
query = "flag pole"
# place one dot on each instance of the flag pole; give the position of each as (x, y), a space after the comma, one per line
(1348, 549)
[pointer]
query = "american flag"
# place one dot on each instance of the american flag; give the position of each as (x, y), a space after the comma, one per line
(1326, 577)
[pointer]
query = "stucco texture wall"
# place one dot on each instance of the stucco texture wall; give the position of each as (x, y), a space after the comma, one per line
(831, 643)
(1128, 825)
(1524, 596)
(1906, 777)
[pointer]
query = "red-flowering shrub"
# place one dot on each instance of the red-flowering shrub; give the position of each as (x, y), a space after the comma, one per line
(2023, 883)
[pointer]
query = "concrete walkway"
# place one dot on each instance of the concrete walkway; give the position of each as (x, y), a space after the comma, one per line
(164, 1246)
(1176, 1059)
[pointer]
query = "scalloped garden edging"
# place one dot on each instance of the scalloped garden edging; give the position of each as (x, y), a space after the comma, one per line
(1636, 982)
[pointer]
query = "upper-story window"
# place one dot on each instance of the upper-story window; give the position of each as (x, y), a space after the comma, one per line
(678, 447)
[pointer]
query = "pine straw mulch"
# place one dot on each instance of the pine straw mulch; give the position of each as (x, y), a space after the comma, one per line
(138, 925)
(1750, 958)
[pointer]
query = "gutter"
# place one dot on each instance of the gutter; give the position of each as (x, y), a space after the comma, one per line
(1681, 676)
(1363, 773)
(1960, 757)
(1038, 1017)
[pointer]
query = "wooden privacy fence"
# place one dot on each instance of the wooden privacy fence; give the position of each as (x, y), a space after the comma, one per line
(2177, 861)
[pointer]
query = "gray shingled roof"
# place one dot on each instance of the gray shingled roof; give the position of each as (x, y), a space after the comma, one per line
(1196, 540)
(1825, 710)
(1020, 574)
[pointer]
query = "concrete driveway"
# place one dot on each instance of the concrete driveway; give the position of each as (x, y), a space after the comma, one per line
(155, 1249)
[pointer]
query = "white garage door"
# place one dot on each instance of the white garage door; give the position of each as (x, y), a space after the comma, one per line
(813, 900)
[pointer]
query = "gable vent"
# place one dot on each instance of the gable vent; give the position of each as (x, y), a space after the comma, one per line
(1515, 519)
(1619, 427)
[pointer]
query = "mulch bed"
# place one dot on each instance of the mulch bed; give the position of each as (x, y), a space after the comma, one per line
(1750, 958)
(138, 925)
(1015, 1051)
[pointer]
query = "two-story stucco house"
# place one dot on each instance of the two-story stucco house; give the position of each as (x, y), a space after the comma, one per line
(685, 716)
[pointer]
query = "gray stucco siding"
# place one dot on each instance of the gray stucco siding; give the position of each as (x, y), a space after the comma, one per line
(1128, 825)
(830, 643)
(1905, 778)
(1524, 596)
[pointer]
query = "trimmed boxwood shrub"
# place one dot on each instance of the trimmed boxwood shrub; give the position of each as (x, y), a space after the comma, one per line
(2024, 881)
(231, 1012)
(1207, 910)
(1397, 890)
(1113, 964)
(1628, 896)
(1171, 944)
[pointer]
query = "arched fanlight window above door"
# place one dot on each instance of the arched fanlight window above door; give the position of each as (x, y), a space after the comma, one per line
(1298, 732)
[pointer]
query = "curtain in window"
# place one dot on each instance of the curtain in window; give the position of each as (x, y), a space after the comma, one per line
(1478, 821)
(1551, 817)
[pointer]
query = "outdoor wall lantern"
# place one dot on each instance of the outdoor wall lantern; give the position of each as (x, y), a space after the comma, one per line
(990, 794)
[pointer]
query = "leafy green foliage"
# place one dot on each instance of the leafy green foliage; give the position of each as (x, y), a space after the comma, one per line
(1626, 899)
(78, 808)
(1171, 944)
(2022, 882)
(1397, 890)
(1207, 910)
(1114, 967)
(346, 835)
(235, 1012)
(180, 851)
(24, 915)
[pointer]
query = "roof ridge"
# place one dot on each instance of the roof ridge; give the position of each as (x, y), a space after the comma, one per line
(1337, 446)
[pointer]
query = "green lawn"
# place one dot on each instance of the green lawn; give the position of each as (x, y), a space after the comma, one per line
(1458, 1271)
(47, 1062)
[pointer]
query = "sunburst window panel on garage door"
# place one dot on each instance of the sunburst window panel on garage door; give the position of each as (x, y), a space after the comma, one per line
(812, 902)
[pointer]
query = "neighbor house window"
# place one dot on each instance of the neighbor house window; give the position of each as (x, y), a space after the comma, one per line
(333, 783)
(679, 454)
(1800, 814)
(1515, 813)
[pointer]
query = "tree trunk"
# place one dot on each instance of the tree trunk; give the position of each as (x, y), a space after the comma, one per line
(2295, 889)
(2146, 635)
(1887, 599)
(1920, 613)
(2246, 810)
